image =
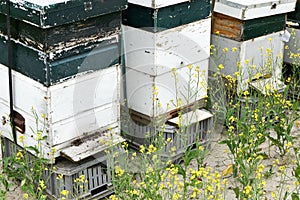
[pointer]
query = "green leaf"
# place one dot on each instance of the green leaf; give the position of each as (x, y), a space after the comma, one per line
(237, 192)
(181, 171)
(33, 149)
(297, 172)
(190, 155)
(295, 196)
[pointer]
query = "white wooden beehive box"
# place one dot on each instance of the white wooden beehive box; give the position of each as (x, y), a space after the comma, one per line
(249, 9)
(258, 57)
(74, 109)
(156, 95)
(291, 51)
(157, 53)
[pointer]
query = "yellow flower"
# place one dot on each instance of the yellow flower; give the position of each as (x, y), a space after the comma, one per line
(19, 155)
(246, 93)
(119, 171)
(42, 185)
(269, 39)
(282, 168)
(225, 49)
(217, 32)
(221, 66)
(25, 196)
(142, 148)
(234, 49)
(268, 50)
(59, 177)
(43, 116)
(21, 138)
(113, 197)
(189, 66)
(232, 119)
(151, 149)
(64, 193)
(247, 189)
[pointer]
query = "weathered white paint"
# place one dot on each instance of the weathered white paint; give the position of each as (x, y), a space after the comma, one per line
(254, 50)
(75, 108)
(40, 2)
(249, 9)
(292, 52)
(156, 3)
(158, 53)
(139, 89)
(268, 85)
(97, 144)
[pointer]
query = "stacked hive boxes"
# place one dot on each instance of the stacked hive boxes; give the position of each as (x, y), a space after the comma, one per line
(166, 56)
(66, 66)
(251, 33)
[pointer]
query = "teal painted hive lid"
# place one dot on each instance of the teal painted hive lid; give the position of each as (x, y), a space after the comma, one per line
(49, 13)
(249, 9)
(158, 19)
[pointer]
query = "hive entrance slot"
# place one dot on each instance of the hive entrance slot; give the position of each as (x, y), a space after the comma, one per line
(98, 190)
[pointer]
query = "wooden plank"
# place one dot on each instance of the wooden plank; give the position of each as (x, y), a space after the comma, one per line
(54, 38)
(241, 30)
(92, 146)
(159, 19)
(51, 68)
(249, 9)
(51, 13)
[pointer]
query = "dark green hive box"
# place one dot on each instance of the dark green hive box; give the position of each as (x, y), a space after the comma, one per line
(295, 15)
(241, 30)
(49, 13)
(167, 17)
(54, 67)
(63, 36)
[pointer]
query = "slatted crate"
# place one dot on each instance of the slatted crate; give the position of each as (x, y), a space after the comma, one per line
(197, 127)
(96, 171)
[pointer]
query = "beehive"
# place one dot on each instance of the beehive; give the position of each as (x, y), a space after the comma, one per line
(66, 65)
(251, 35)
(171, 36)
